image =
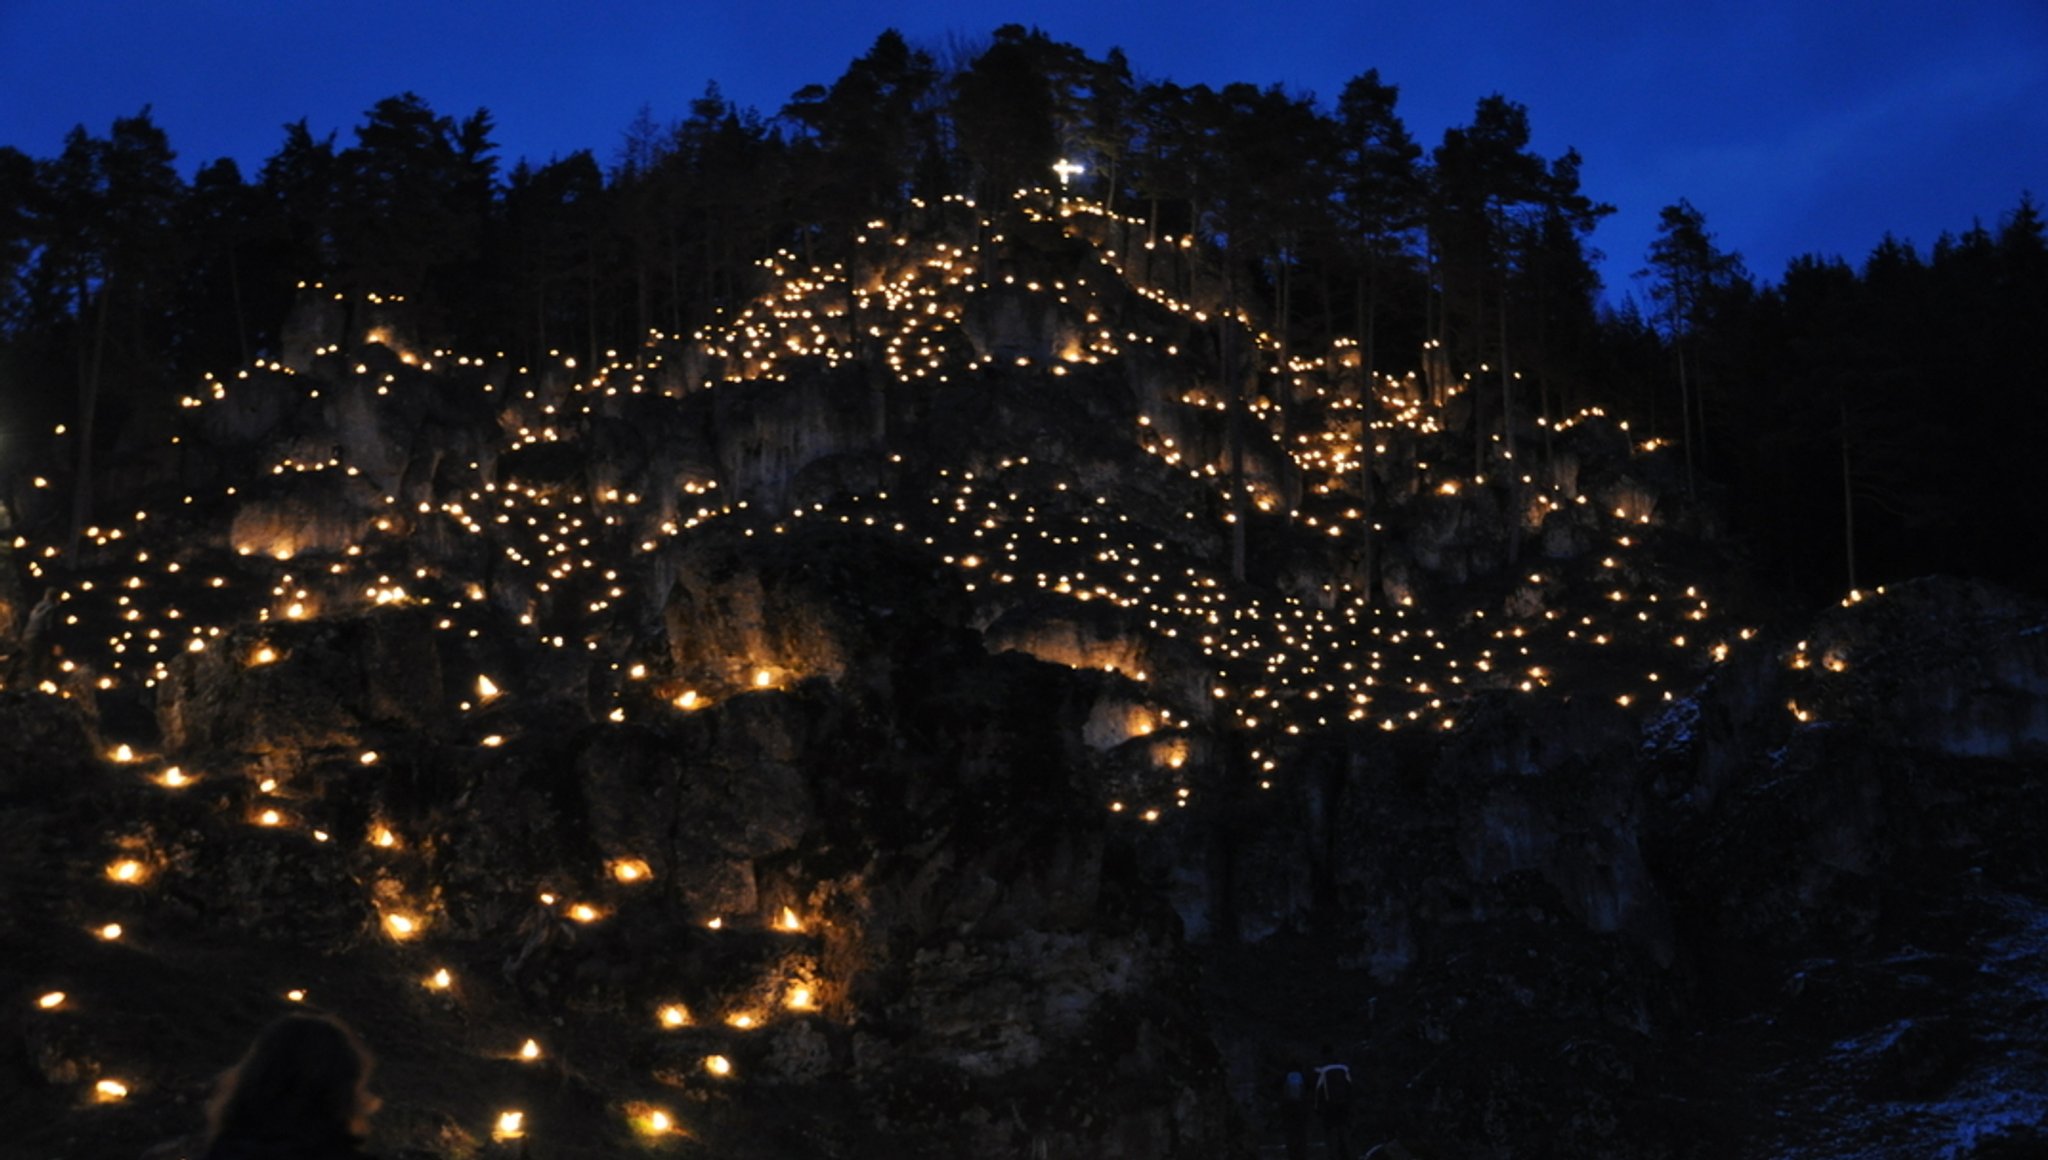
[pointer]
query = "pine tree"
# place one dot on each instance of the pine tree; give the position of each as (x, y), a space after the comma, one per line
(1688, 272)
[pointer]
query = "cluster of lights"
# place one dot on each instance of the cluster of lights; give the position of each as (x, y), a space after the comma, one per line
(576, 564)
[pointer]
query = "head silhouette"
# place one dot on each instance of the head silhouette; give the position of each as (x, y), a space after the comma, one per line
(305, 1080)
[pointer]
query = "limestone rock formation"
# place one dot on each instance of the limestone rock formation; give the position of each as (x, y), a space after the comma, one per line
(848, 734)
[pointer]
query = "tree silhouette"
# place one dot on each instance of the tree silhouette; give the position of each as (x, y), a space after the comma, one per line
(119, 283)
(1689, 272)
(109, 239)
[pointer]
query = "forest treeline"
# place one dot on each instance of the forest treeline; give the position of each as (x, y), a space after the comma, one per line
(1859, 423)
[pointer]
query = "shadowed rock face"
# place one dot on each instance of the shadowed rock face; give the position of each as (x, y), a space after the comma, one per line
(1718, 930)
(967, 943)
(907, 748)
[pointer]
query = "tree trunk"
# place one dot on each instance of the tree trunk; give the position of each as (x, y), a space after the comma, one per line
(1699, 427)
(642, 303)
(1685, 410)
(1507, 425)
(1240, 505)
(1848, 501)
(235, 290)
(675, 277)
(1473, 386)
(590, 295)
(1283, 386)
(88, 414)
(1368, 391)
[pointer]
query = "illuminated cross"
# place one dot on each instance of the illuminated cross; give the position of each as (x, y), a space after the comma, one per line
(1068, 169)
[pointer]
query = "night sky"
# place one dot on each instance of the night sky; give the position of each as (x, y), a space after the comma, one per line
(1797, 127)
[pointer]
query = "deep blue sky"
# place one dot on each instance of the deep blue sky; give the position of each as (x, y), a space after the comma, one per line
(1795, 125)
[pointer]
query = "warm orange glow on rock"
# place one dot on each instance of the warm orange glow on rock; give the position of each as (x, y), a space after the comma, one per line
(653, 1121)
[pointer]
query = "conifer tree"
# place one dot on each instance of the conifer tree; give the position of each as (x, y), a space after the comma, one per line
(1688, 270)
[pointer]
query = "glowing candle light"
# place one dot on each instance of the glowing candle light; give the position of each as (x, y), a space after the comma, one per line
(717, 1065)
(109, 932)
(295, 995)
(674, 1015)
(401, 926)
(509, 1126)
(174, 778)
(127, 870)
(51, 1001)
(486, 689)
(440, 980)
(789, 920)
(584, 912)
(529, 1051)
(631, 869)
(109, 1090)
(799, 998)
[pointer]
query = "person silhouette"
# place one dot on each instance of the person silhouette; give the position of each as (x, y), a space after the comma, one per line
(1333, 1105)
(301, 1093)
(1294, 1107)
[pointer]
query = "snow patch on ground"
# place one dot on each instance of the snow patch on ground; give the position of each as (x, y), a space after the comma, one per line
(2005, 1089)
(1672, 730)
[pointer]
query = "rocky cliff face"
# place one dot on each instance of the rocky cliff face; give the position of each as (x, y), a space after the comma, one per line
(845, 736)
(1790, 914)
